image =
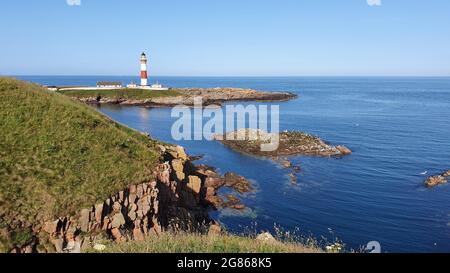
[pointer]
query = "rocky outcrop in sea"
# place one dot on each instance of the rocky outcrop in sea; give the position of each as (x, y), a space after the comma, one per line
(249, 141)
(437, 179)
(209, 96)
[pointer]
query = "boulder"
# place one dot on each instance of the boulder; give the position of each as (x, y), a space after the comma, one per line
(84, 219)
(214, 182)
(215, 201)
(286, 163)
(446, 174)
(206, 171)
(178, 167)
(238, 206)
(58, 243)
(210, 191)
(181, 154)
(117, 207)
(344, 150)
(132, 189)
(99, 247)
(293, 178)
(156, 226)
(98, 212)
(214, 230)
(139, 191)
(132, 215)
(51, 227)
(195, 157)
(238, 183)
(161, 148)
(132, 207)
(435, 180)
(266, 237)
(117, 221)
(73, 246)
(194, 184)
(132, 198)
(233, 202)
(106, 223)
(163, 176)
(172, 154)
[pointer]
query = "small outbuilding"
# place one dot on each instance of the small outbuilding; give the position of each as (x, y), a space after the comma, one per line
(109, 85)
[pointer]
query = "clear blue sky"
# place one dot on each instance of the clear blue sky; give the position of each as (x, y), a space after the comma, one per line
(225, 38)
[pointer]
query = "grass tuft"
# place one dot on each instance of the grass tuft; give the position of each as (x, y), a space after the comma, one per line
(196, 243)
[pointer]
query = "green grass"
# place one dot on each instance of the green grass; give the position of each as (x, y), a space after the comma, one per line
(195, 243)
(120, 93)
(58, 156)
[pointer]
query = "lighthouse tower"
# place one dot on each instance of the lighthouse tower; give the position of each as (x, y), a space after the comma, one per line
(144, 80)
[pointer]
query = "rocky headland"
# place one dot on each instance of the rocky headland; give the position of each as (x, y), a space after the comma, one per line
(437, 179)
(210, 96)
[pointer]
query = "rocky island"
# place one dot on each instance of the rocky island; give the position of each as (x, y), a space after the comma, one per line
(173, 97)
(249, 141)
(437, 179)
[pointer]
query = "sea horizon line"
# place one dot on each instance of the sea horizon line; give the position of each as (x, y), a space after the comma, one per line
(230, 76)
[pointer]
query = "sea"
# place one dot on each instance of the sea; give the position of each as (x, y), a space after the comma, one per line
(397, 127)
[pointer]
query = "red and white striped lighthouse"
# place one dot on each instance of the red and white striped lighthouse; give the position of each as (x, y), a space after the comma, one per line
(144, 80)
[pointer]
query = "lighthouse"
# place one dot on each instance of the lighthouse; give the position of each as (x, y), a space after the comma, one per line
(144, 80)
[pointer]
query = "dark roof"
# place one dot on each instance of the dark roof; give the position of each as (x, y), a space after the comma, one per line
(109, 83)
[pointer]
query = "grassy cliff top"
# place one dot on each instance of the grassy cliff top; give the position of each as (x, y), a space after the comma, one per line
(58, 156)
(121, 93)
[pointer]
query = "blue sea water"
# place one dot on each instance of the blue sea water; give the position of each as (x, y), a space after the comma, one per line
(397, 128)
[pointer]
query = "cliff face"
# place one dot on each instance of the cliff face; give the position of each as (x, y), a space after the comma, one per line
(172, 201)
(177, 199)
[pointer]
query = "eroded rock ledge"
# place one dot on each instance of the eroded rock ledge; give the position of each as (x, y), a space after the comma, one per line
(178, 199)
(209, 96)
(437, 179)
(249, 141)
